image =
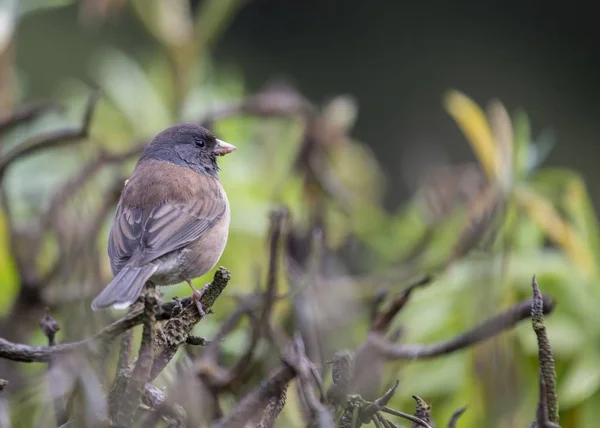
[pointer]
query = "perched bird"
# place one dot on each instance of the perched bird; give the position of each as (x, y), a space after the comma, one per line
(172, 220)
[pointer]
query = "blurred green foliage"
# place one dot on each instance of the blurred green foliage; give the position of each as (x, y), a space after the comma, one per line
(543, 221)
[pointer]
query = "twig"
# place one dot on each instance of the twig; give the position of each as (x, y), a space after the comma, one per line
(384, 319)
(306, 370)
(383, 421)
(123, 370)
(141, 373)
(177, 329)
(80, 178)
(406, 416)
(278, 217)
(27, 113)
(254, 400)
(342, 373)
(52, 139)
(50, 327)
(483, 331)
(457, 414)
(422, 411)
(548, 398)
(43, 354)
(273, 409)
(369, 411)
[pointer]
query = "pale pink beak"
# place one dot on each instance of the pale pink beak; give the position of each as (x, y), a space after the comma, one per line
(222, 148)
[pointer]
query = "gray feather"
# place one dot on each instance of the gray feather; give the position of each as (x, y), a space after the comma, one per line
(125, 288)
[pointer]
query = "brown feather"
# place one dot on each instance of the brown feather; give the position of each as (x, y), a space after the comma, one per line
(148, 226)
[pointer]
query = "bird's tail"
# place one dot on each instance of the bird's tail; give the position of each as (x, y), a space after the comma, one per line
(125, 288)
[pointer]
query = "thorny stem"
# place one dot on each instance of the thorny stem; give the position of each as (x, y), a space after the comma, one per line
(547, 366)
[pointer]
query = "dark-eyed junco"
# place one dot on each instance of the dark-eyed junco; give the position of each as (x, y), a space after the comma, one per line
(172, 220)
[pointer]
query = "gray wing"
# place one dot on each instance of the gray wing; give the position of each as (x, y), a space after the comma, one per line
(138, 238)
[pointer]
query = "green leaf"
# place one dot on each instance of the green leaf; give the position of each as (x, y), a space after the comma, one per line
(581, 380)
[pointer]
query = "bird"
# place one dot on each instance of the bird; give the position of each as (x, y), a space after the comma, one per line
(172, 220)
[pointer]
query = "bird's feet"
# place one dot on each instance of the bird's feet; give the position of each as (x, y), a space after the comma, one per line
(197, 296)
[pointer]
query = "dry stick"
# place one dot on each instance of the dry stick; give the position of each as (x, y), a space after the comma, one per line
(123, 370)
(384, 423)
(177, 329)
(274, 407)
(487, 329)
(383, 320)
(52, 139)
(27, 113)
(406, 416)
(342, 373)
(50, 327)
(43, 354)
(29, 292)
(80, 178)
(278, 217)
(457, 414)
(141, 373)
(256, 398)
(211, 352)
(370, 410)
(548, 397)
(320, 414)
(422, 411)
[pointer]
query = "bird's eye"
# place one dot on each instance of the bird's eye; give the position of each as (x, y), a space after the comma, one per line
(200, 142)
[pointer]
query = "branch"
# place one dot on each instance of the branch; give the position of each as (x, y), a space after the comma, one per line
(273, 409)
(254, 400)
(50, 327)
(457, 414)
(52, 139)
(342, 373)
(422, 411)
(407, 416)
(43, 354)
(177, 329)
(487, 329)
(27, 113)
(383, 320)
(294, 362)
(548, 401)
(141, 373)
(277, 223)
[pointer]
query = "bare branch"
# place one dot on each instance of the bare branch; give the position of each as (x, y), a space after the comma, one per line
(256, 398)
(483, 331)
(52, 139)
(27, 113)
(406, 416)
(382, 321)
(141, 373)
(273, 409)
(177, 329)
(457, 414)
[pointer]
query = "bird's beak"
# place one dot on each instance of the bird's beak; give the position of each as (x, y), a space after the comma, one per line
(222, 148)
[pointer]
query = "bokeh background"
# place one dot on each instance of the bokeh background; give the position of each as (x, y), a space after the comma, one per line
(422, 184)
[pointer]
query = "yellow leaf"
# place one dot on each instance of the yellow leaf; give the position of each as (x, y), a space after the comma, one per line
(557, 228)
(472, 121)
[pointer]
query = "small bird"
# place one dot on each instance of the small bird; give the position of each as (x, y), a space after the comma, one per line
(172, 220)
